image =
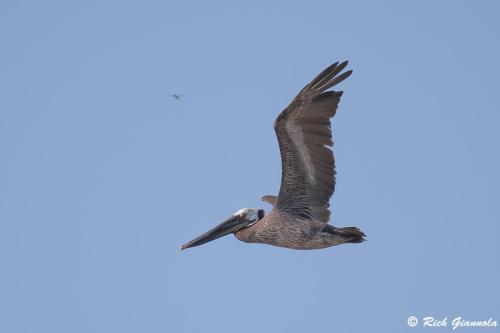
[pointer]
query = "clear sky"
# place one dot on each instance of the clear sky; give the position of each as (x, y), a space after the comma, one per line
(103, 175)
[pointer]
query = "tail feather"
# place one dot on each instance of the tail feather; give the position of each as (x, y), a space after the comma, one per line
(350, 234)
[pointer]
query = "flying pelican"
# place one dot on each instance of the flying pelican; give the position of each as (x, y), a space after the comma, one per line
(300, 214)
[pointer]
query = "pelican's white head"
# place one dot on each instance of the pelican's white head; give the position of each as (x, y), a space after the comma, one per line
(250, 214)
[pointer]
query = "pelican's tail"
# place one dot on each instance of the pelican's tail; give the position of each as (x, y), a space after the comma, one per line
(352, 234)
(348, 234)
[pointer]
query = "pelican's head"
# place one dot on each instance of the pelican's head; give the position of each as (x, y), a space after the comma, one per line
(243, 218)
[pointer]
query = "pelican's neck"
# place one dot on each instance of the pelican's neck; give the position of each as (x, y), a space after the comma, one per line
(248, 235)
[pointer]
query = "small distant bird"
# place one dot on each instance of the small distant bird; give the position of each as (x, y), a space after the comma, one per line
(176, 96)
(300, 214)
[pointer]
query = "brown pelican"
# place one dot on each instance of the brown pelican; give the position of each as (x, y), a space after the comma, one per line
(300, 214)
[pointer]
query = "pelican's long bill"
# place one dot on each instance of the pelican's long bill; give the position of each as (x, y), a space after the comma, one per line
(231, 225)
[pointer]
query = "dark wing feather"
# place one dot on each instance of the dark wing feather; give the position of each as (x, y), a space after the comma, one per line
(304, 136)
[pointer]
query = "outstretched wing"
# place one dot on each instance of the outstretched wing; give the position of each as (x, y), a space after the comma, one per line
(304, 136)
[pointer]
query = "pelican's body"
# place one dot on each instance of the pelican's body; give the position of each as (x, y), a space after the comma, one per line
(281, 230)
(300, 214)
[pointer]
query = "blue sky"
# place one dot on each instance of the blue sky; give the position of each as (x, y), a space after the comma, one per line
(103, 176)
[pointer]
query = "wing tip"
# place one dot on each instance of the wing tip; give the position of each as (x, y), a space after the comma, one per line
(328, 78)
